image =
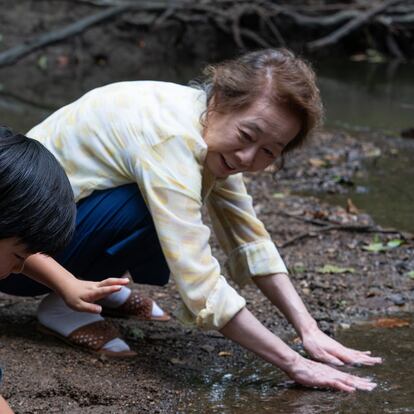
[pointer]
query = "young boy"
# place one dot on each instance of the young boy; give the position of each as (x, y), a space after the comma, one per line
(37, 216)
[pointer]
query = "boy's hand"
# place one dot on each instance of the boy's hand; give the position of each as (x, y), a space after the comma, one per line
(80, 294)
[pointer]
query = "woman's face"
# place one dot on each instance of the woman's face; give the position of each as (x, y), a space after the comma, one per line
(12, 256)
(248, 140)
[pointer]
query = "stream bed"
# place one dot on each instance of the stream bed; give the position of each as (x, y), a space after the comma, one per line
(259, 388)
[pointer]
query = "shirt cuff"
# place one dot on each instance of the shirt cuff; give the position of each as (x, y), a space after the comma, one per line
(259, 258)
(222, 304)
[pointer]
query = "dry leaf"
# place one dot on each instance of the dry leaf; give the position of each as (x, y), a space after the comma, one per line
(351, 207)
(390, 323)
(316, 162)
(224, 354)
(177, 361)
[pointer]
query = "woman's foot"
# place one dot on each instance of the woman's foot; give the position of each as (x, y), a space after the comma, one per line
(127, 303)
(85, 330)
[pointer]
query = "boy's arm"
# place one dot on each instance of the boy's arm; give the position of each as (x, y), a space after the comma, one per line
(78, 294)
(280, 291)
(4, 407)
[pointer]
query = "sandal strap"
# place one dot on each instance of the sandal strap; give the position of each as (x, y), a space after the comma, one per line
(137, 305)
(94, 335)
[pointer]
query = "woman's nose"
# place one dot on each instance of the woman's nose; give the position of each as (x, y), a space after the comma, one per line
(246, 156)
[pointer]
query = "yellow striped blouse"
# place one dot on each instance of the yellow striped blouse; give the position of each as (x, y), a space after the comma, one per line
(150, 133)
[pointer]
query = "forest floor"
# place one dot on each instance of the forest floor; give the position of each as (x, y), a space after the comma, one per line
(43, 375)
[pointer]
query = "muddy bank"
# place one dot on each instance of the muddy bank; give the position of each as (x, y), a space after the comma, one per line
(44, 376)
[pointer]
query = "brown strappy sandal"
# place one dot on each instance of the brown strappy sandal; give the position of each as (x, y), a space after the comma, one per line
(91, 338)
(136, 307)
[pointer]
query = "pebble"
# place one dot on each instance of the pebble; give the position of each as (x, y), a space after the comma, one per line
(397, 299)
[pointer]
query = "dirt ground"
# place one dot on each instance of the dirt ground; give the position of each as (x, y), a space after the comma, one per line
(43, 375)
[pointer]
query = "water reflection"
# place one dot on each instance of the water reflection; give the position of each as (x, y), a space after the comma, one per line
(258, 388)
(364, 96)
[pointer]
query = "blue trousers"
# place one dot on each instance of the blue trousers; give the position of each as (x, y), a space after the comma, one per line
(114, 234)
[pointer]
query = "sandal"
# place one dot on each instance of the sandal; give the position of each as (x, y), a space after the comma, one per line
(91, 338)
(137, 307)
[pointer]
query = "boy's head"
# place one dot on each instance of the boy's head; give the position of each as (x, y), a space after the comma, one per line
(37, 209)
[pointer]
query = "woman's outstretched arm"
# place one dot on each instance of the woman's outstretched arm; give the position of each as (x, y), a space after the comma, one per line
(247, 331)
(280, 291)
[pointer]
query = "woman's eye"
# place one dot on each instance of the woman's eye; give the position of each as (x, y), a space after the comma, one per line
(268, 153)
(245, 137)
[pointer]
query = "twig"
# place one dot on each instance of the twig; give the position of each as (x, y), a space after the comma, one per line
(343, 227)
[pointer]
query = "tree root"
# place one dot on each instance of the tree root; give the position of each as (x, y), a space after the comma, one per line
(262, 23)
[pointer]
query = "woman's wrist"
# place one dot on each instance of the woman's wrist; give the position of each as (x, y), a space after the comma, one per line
(307, 326)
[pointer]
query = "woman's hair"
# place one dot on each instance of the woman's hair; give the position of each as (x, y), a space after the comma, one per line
(36, 199)
(276, 75)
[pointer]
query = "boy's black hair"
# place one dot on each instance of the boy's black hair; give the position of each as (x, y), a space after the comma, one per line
(36, 199)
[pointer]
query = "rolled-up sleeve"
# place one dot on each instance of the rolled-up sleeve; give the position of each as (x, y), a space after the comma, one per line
(241, 234)
(174, 201)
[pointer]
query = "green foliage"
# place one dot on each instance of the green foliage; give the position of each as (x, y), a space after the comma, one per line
(377, 246)
(42, 62)
(334, 269)
(299, 267)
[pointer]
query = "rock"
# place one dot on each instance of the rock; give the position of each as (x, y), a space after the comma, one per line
(407, 133)
(397, 299)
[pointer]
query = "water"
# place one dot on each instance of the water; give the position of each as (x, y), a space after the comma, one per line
(364, 96)
(258, 388)
(367, 98)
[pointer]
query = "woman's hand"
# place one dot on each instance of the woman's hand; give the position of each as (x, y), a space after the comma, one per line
(315, 374)
(80, 294)
(325, 349)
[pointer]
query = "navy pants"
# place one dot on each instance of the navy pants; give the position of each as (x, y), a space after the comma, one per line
(114, 234)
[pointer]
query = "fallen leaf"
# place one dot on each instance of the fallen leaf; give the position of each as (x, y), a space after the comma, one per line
(390, 323)
(224, 354)
(374, 247)
(278, 195)
(373, 152)
(298, 267)
(62, 61)
(318, 163)
(351, 207)
(380, 247)
(177, 361)
(395, 243)
(334, 269)
(411, 274)
(135, 333)
(42, 62)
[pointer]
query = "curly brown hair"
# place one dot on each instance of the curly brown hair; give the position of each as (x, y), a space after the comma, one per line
(276, 75)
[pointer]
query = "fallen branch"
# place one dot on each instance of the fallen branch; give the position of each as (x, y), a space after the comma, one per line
(12, 55)
(343, 227)
(327, 226)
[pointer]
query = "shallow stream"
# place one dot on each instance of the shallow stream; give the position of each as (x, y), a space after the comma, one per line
(259, 388)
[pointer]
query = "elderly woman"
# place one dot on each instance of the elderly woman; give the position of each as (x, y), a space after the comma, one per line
(142, 158)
